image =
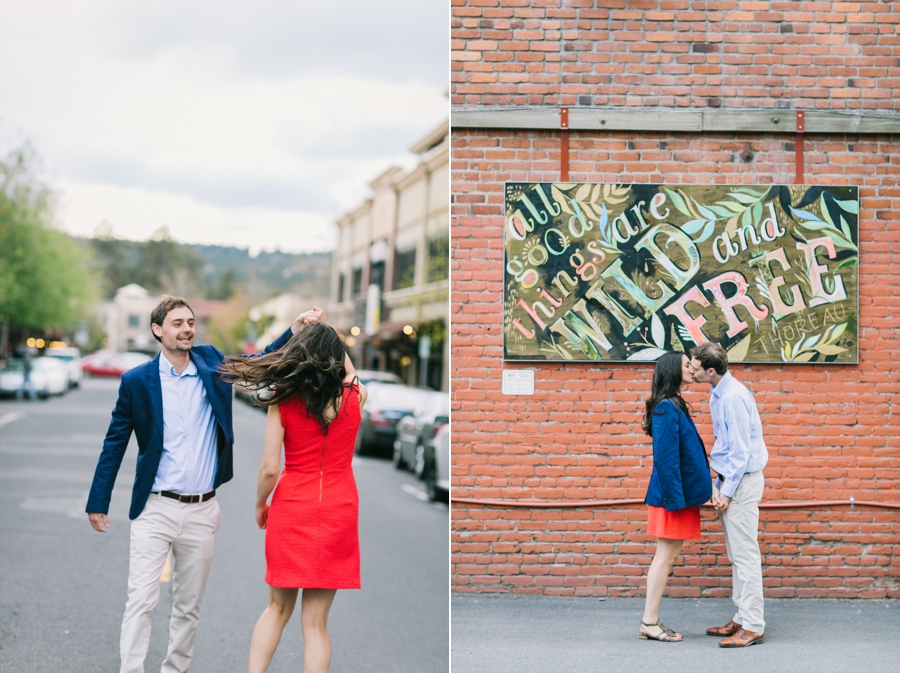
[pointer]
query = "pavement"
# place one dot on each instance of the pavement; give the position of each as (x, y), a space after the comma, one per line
(63, 586)
(523, 633)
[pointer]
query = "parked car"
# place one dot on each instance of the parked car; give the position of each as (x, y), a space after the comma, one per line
(108, 363)
(386, 405)
(367, 376)
(72, 358)
(437, 465)
(419, 428)
(48, 377)
(54, 372)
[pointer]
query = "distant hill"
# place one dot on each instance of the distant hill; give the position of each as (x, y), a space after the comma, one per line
(207, 271)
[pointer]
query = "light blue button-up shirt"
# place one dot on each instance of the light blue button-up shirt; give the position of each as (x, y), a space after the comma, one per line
(188, 461)
(739, 446)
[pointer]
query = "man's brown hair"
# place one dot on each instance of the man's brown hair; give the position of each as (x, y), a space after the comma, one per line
(158, 315)
(711, 356)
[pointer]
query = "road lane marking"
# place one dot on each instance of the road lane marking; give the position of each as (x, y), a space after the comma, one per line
(6, 419)
(415, 492)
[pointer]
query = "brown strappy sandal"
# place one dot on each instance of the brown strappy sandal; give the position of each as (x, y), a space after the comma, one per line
(667, 635)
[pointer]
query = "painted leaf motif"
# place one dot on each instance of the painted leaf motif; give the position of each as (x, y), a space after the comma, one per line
(787, 351)
(838, 331)
(604, 218)
(757, 211)
(731, 208)
(583, 192)
(805, 357)
(658, 331)
(722, 211)
(809, 343)
(845, 228)
(805, 215)
(846, 263)
(839, 240)
(692, 227)
(561, 199)
(738, 352)
(825, 349)
(743, 198)
(849, 206)
(678, 202)
(646, 355)
(706, 212)
(707, 232)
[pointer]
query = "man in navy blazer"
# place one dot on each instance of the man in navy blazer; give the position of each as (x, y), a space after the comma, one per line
(180, 411)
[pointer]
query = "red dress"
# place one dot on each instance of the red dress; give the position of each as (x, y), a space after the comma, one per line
(312, 534)
(679, 524)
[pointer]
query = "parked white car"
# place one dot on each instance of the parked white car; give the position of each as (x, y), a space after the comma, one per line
(54, 372)
(437, 465)
(48, 377)
(72, 359)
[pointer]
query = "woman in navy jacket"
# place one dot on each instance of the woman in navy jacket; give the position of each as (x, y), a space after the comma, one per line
(679, 484)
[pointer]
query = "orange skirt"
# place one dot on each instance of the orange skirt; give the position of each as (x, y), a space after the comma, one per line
(681, 524)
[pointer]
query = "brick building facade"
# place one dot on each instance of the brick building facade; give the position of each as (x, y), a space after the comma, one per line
(548, 488)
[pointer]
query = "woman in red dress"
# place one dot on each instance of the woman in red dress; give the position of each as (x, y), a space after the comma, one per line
(312, 539)
(679, 484)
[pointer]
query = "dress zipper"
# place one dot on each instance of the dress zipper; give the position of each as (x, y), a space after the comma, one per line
(322, 466)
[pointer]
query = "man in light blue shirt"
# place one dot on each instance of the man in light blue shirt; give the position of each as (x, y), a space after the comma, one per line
(738, 458)
(179, 409)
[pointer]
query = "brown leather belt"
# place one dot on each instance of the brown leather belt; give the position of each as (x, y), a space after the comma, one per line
(187, 498)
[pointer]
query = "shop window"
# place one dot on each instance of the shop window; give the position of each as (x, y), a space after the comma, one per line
(404, 269)
(356, 283)
(134, 320)
(340, 296)
(438, 258)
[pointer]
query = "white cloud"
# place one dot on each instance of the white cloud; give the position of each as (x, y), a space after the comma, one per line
(218, 119)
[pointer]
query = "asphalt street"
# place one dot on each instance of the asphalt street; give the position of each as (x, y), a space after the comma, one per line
(525, 634)
(63, 586)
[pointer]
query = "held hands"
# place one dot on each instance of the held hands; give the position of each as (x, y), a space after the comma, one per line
(262, 515)
(99, 521)
(315, 314)
(719, 501)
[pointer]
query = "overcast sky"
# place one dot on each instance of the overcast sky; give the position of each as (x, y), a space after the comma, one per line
(240, 123)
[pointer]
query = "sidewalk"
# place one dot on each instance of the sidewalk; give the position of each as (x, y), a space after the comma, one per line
(521, 634)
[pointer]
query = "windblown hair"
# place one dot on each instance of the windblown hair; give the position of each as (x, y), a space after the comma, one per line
(168, 303)
(310, 365)
(711, 356)
(666, 385)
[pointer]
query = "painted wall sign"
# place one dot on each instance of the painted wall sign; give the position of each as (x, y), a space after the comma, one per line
(625, 272)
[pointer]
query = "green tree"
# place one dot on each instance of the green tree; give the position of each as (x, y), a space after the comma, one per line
(45, 279)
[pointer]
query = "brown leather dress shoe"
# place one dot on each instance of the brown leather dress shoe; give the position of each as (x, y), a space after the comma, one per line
(742, 639)
(722, 631)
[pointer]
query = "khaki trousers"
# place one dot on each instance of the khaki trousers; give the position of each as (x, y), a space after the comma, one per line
(741, 524)
(189, 531)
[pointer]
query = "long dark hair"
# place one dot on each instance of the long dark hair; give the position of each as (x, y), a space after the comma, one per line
(666, 385)
(310, 365)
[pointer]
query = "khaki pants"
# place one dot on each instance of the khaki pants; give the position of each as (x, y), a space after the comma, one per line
(189, 531)
(741, 524)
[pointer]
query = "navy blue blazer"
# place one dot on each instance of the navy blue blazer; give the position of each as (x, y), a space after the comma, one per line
(681, 476)
(140, 409)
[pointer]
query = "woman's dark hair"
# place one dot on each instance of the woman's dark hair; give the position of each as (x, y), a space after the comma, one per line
(310, 365)
(666, 385)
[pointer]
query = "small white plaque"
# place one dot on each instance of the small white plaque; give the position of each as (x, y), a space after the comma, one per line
(518, 382)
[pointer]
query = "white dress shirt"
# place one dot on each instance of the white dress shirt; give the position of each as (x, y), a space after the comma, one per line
(188, 461)
(739, 446)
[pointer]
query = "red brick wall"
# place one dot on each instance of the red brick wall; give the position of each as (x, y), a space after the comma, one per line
(676, 53)
(831, 430)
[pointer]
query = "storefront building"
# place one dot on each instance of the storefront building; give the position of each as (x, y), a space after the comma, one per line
(390, 278)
